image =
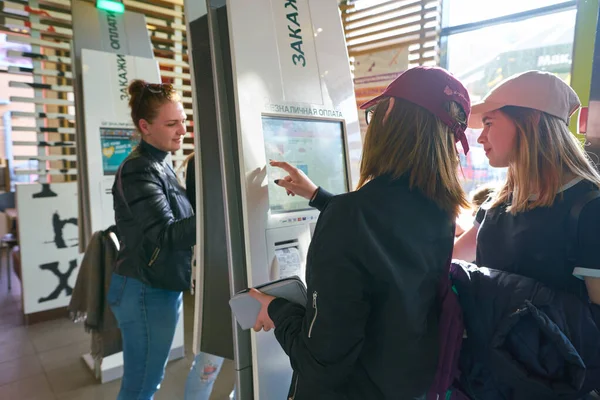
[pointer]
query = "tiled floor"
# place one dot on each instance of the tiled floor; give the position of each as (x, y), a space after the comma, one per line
(43, 361)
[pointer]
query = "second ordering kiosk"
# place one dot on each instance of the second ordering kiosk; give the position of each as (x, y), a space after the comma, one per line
(271, 80)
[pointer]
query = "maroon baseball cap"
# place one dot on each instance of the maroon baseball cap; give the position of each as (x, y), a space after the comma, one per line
(431, 88)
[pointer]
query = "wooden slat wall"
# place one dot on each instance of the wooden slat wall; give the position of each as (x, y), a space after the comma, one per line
(377, 25)
(46, 26)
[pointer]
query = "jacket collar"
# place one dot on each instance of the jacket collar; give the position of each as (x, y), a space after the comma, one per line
(153, 151)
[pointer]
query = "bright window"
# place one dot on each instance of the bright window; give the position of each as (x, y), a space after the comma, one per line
(468, 11)
(484, 57)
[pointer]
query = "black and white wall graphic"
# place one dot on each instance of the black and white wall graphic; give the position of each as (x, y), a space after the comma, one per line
(48, 235)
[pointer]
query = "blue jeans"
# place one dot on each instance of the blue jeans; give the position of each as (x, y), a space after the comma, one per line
(202, 376)
(147, 318)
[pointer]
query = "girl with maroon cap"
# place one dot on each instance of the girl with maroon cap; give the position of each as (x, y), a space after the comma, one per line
(370, 328)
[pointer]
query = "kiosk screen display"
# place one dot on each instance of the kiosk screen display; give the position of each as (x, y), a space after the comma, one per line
(314, 146)
(116, 145)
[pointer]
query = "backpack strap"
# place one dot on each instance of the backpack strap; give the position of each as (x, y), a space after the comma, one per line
(573, 224)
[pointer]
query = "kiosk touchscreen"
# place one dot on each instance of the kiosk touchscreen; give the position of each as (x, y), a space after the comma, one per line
(316, 147)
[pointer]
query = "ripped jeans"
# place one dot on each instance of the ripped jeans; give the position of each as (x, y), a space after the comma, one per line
(202, 376)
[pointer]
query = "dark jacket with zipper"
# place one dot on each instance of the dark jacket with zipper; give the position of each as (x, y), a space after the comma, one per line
(155, 220)
(524, 339)
(190, 182)
(370, 327)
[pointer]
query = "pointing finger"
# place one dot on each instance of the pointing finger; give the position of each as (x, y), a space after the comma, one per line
(285, 166)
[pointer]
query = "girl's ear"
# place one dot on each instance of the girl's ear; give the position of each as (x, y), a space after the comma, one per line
(144, 125)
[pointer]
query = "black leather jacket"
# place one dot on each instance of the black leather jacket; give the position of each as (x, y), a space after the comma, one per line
(155, 220)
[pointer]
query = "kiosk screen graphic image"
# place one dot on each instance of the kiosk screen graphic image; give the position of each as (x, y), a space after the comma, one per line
(314, 146)
(116, 145)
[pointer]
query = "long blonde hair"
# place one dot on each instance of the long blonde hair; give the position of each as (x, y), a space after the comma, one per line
(182, 169)
(413, 142)
(545, 154)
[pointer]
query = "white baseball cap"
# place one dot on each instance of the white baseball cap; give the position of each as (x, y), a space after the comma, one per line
(539, 90)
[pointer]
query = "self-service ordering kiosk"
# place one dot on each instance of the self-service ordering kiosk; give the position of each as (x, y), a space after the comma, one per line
(271, 80)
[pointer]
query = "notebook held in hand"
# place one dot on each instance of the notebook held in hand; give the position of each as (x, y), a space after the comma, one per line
(246, 309)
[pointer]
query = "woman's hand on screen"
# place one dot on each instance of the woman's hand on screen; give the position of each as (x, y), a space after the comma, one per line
(296, 182)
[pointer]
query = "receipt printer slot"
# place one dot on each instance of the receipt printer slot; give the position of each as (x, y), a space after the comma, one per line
(287, 243)
(286, 250)
(288, 260)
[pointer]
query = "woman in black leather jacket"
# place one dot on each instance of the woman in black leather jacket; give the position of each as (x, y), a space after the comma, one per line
(157, 231)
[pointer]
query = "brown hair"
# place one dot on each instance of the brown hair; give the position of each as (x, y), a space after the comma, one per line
(413, 142)
(146, 98)
(545, 154)
(482, 194)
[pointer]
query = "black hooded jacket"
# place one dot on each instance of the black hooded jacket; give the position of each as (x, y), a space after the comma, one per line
(370, 327)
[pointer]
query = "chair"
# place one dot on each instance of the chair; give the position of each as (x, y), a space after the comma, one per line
(7, 242)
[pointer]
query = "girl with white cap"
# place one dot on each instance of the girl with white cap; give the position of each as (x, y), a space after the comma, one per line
(522, 229)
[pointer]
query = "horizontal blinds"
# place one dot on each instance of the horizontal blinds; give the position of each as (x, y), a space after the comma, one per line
(377, 25)
(43, 132)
